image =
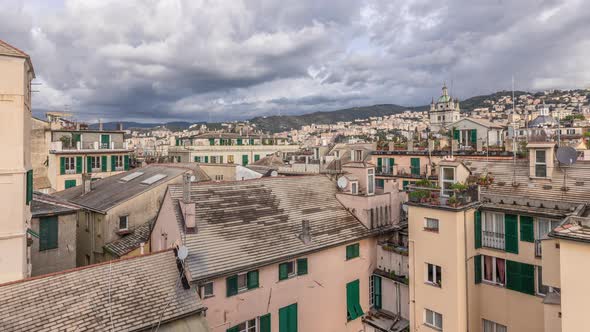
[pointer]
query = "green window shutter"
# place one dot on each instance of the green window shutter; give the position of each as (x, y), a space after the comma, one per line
(251, 141)
(177, 142)
(62, 165)
(288, 318)
(520, 277)
(377, 302)
(113, 163)
(126, 162)
(477, 229)
(511, 233)
(105, 141)
(79, 165)
(391, 164)
(103, 163)
(29, 187)
(473, 136)
(70, 183)
(405, 184)
(231, 284)
(256, 157)
(75, 139)
(206, 159)
(379, 164)
(265, 323)
(48, 232)
(477, 268)
(233, 329)
(415, 166)
(352, 251)
(252, 278)
(212, 141)
(456, 134)
(244, 160)
(353, 307)
(357, 250)
(513, 275)
(89, 164)
(301, 266)
(239, 141)
(527, 232)
(283, 271)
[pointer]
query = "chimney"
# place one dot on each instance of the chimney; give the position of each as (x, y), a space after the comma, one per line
(87, 182)
(305, 235)
(77, 125)
(100, 124)
(187, 206)
(120, 126)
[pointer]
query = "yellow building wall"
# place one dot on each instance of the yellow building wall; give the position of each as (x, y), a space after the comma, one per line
(575, 288)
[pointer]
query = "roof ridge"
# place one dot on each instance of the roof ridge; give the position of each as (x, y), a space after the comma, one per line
(2, 42)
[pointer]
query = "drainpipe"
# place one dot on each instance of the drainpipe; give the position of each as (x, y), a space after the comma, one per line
(466, 267)
(413, 300)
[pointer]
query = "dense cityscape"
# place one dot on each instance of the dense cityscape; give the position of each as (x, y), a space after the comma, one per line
(460, 215)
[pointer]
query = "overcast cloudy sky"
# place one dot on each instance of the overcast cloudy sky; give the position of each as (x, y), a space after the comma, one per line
(195, 60)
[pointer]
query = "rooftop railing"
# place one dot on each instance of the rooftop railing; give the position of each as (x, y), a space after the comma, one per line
(435, 196)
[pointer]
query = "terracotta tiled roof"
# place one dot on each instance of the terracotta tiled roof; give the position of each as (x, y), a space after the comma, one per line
(122, 295)
(132, 241)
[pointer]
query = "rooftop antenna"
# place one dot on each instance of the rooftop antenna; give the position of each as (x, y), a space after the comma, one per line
(558, 128)
(566, 155)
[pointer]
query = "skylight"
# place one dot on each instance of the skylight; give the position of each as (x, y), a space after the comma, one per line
(153, 179)
(131, 176)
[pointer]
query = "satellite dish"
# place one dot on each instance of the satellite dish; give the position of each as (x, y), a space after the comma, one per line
(182, 252)
(567, 155)
(342, 182)
(274, 173)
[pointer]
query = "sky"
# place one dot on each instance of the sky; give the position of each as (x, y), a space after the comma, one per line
(219, 60)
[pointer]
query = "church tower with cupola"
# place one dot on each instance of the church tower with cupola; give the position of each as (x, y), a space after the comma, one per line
(444, 112)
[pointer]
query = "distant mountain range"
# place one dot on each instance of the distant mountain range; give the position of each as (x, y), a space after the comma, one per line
(287, 122)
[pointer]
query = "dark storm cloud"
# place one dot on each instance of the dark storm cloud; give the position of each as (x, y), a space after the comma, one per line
(219, 60)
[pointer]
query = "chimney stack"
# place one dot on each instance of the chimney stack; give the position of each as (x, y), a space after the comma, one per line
(187, 206)
(100, 124)
(186, 188)
(120, 126)
(305, 235)
(87, 182)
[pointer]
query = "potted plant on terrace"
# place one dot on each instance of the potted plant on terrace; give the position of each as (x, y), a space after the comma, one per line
(453, 201)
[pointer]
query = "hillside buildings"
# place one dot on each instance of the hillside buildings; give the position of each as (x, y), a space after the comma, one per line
(16, 175)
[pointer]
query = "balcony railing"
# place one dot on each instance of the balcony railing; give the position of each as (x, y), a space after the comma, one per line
(493, 240)
(59, 146)
(432, 196)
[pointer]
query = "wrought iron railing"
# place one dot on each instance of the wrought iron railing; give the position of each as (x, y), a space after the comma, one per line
(493, 240)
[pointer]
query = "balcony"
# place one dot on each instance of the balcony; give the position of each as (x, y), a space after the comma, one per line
(59, 146)
(493, 240)
(433, 196)
(396, 170)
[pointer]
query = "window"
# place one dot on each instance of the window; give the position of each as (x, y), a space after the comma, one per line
(494, 270)
(207, 289)
(95, 163)
(48, 231)
(352, 251)
(353, 306)
(29, 188)
(540, 164)
(230, 159)
(493, 230)
(433, 319)
(541, 288)
(70, 183)
(370, 181)
(288, 318)
(123, 223)
(70, 165)
(433, 274)
(219, 177)
(117, 162)
(247, 326)
(431, 224)
(544, 227)
(241, 282)
(87, 218)
(354, 188)
(286, 270)
(447, 179)
(489, 326)
(358, 155)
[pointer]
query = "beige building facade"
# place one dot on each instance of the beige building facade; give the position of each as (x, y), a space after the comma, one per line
(16, 176)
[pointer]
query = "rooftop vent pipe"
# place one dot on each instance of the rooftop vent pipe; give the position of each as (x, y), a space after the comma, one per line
(305, 235)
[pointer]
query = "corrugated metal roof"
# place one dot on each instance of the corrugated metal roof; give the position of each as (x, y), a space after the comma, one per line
(253, 223)
(78, 300)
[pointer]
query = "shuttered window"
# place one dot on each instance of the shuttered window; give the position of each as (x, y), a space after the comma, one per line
(527, 231)
(352, 251)
(288, 318)
(103, 163)
(79, 165)
(89, 164)
(511, 233)
(70, 183)
(126, 163)
(256, 157)
(302, 266)
(62, 165)
(252, 278)
(477, 229)
(415, 166)
(265, 323)
(244, 160)
(405, 185)
(48, 231)
(29, 187)
(231, 284)
(477, 266)
(520, 277)
(241, 282)
(353, 306)
(376, 292)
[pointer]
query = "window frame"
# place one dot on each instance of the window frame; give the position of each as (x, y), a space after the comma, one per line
(245, 277)
(542, 164)
(370, 181)
(497, 221)
(69, 165)
(206, 294)
(443, 180)
(494, 272)
(436, 275)
(494, 326)
(126, 222)
(431, 229)
(433, 314)
(119, 163)
(95, 161)
(539, 282)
